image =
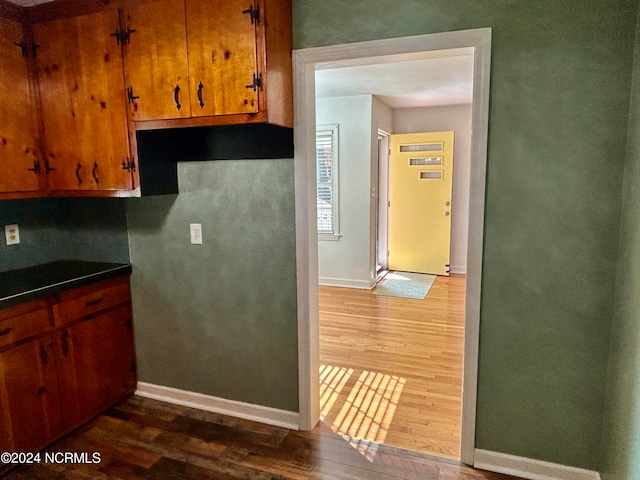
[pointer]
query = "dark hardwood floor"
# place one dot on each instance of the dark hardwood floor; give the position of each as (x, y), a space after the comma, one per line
(145, 439)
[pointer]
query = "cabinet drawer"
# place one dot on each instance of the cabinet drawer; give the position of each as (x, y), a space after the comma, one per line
(23, 326)
(91, 302)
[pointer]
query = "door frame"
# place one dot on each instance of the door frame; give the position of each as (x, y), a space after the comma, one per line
(382, 209)
(371, 52)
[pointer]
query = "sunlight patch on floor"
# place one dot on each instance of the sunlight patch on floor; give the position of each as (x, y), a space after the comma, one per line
(332, 381)
(366, 414)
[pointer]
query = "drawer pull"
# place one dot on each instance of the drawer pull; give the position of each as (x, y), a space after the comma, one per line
(94, 302)
(43, 354)
(6, 331)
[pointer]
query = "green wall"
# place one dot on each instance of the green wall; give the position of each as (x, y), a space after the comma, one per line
(219, 318)
(621, 439)
(93, 229)
(560, 84)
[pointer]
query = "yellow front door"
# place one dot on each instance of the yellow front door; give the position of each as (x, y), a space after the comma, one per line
(420, 184)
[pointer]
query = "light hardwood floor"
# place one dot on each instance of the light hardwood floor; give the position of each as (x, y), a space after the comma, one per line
(391, 368)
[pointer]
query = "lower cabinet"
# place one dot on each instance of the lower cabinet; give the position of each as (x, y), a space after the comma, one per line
(91, 382)
(29, 395)
(55, 379)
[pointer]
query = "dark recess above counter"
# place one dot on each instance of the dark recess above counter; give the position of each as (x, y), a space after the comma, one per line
(160, 150)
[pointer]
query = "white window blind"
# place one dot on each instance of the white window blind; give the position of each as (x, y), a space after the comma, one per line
(327, 178)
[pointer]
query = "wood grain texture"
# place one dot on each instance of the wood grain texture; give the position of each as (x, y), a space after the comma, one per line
(29, 395)
(222, 57)
(146, 439)
(275, 48)
(155, 60)
(83, 102)
(392, 367)
(19, 147)
(12, 11)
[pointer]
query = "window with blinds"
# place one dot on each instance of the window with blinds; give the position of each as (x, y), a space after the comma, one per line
(327, 178)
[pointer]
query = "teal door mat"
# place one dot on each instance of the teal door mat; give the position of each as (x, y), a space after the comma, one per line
(406, 285)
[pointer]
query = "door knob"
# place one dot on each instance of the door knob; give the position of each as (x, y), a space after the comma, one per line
(446, 204)
(446, 214)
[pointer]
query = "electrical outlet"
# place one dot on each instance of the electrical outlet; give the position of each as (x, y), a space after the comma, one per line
(12, 234)
(196, 233)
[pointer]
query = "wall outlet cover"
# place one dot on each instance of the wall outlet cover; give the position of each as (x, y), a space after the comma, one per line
(12, 234)
(196, 233)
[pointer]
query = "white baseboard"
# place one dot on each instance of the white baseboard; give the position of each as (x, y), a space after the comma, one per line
(248, 411)
(529, 468)
(344, 282)
(459, 269)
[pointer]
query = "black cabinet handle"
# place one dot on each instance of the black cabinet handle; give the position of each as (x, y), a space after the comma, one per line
(43, 354)
(36, 167)
(64, 344)
(47, 168)
(94, 302)
(78, 173)
(94, 172)
(23, 47)
(175, 96)
(200, 87)
(6, 331)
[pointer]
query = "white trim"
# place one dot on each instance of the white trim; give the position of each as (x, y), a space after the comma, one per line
(328, 237)
(459, 269)
(481, 40)
(372, 52)
(529, 468)
(345, 282)
(248, 411)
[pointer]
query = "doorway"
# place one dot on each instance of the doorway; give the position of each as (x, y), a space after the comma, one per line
(305, 183)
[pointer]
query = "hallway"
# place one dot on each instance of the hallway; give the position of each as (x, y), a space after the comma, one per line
(391, 368)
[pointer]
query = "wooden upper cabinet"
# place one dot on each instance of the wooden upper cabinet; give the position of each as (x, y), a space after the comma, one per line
(222, 56)
(237, 60)
(155, 60)
(84, 110)
(20, 158)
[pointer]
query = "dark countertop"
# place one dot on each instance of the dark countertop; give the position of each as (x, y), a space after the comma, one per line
(31, 283)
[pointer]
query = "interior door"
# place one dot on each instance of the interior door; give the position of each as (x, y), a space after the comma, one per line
(420, 187)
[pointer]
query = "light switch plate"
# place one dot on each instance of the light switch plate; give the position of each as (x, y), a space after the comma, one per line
(196, 233)
(12, 234)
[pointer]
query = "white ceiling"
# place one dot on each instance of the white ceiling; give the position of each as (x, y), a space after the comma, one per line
(443, 77)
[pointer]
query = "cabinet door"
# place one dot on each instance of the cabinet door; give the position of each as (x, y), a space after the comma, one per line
(29, 401)
(221, 39)
(155, 60)
(83, 102)
(19, 151)
(97, 364)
